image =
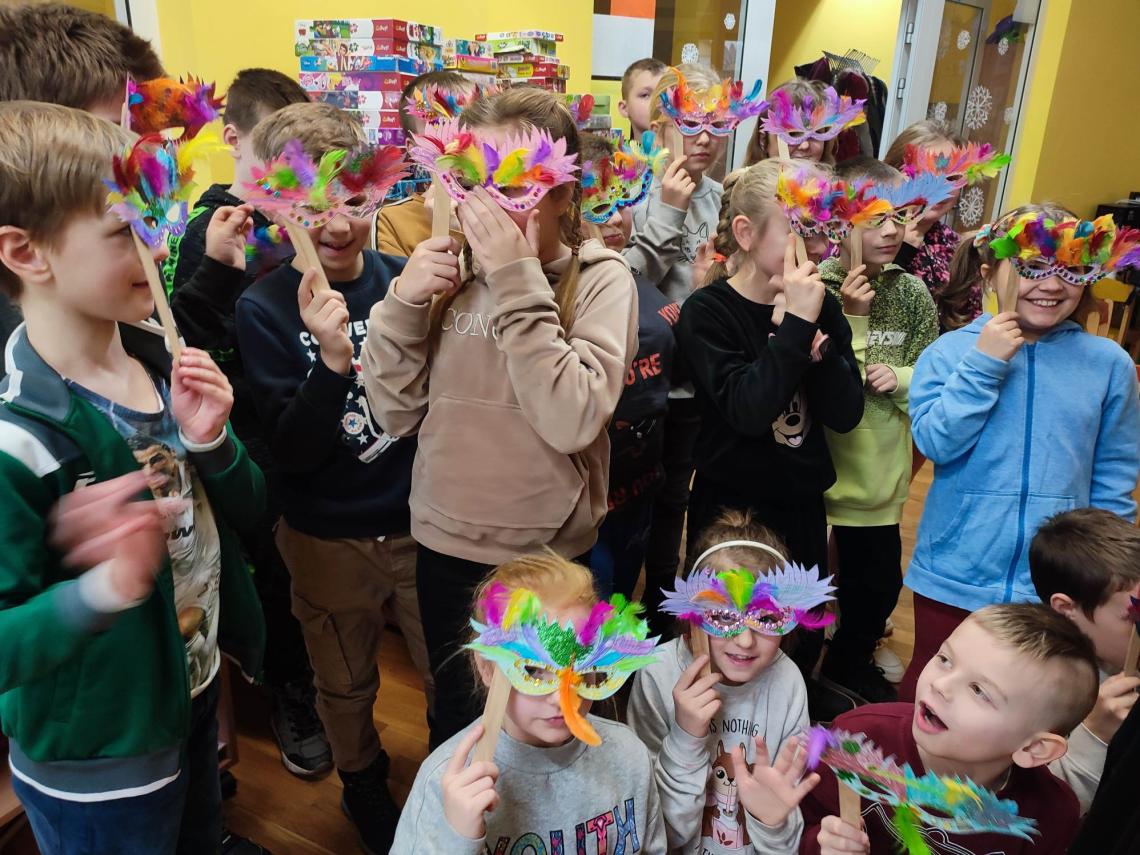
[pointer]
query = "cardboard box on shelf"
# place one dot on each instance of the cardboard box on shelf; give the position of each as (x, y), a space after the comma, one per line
(466, 47)
(525, 57)
(369, 47)
(346, 63)
(545, 35)
(481, 79)
(553, 84)
(386, 136)
(354, 99)
(366, 28)
(334, 81)
(378, 119)
(534, 69)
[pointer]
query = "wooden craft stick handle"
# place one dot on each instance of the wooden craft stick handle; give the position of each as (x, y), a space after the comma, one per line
(1007, 290)
(441, 209)
(675, 142)
(801, 250)
(1133, 654)
(782, 148)
(850, 806)
(154, 280)
(307, 253)
(699, 642)
(855, 247)
(494, 712)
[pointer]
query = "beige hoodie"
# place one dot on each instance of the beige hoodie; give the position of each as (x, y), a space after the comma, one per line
(511, 409)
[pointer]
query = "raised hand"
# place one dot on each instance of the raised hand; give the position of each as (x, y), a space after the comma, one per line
(837, 837)
(469, 791)
(200, 396)
(433, 269)
(856, 292)
(226, 234)
(494, 238)
(1001, 337)
(803, 289)
(677, 186)
(770, 792)
(695, 699)
(881, 379)
(1114, 701)
(325, 316)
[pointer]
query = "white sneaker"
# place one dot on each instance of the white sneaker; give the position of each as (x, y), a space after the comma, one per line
(889, 628)
(889, 663)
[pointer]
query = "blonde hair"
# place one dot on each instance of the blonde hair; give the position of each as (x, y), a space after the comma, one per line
(558, 582)
(749, 192)
(528, 107)
(738, 525)
(800, 89)
(319, 127)
(53, 161)
(697, 75)
(925, 134)
(1038, 633)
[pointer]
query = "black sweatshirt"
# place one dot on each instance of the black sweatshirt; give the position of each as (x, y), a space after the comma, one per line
(339, 475)
(753, 380)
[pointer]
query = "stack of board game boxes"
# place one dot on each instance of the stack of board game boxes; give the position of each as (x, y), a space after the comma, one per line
(527, 56)
(473, 60)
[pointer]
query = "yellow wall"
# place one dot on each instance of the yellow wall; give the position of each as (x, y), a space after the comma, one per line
(803, 29)
(216, 38)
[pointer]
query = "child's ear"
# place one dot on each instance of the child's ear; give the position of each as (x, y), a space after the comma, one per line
(486, 670)
(232, 138)
(744, 231)
(1041, 749)
(623, 109)
(985, 271)
(20, 254)
(1063, 604)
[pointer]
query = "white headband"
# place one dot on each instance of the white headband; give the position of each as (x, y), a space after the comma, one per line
(763, 547)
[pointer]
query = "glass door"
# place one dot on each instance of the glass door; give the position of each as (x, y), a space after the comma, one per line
(964, 62)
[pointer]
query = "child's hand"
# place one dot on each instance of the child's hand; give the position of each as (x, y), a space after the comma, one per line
(1114, 701)
(677, 186)
(856, 292)
(771, 792)
(702, 263)
(1001, 336)
(200, 396)
(494, 238)
(226, 235)
(836, 837)
(469, 791)
(325, 316)
(432, 269)
(912, 235)
(802, 287)
(695, 700)
(881, 379)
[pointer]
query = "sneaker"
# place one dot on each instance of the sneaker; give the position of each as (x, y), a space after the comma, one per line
(888, 628)
(825, 704)
(232, 844)
(300, 735)
(887, 661)
(370, 806)
(862, 681)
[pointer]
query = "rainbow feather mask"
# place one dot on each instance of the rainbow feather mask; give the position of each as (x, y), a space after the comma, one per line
(821, 120)
(908, 199)
(540, 656)
(727, 602)
(717, 110)
(1079, 252)
(311, 193)
(517, 171)
(809, 201)
(152, 185)
(435, 104)
(156, 106)
(965, 165)
(621, 180)
(952, 804)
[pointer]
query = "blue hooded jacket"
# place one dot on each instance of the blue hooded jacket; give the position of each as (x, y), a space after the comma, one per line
(1055, 428)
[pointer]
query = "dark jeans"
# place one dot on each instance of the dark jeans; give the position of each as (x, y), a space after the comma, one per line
(869, 581)
(184, 817)
(617, 557)
(682, 424)
(934, 622)
(446, 587)
(800, 521)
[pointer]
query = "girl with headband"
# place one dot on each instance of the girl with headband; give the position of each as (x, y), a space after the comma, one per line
(1024, 415)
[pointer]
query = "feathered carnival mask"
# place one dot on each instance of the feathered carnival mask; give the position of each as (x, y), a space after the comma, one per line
(539, 656)
(581, 108)
(718, 109)
(155, 106)
(620, 180)
(153, 184)
(725, 603)
(310, 194)
(810, 203)
(814, 119)
(1079, 252)
(908, 199)
(516, 171)
(954, 805)
(969, 164)
(434, 104)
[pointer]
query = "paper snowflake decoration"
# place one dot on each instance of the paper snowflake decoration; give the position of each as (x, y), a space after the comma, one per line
(689, 53)
(938, 111)
(963, 40)
(971, 206)
(729, 21)
(1003, 47)
(978, 107)
(1007, 116)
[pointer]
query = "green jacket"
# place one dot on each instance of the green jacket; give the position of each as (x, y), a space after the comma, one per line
(95, 702)
(873, 462)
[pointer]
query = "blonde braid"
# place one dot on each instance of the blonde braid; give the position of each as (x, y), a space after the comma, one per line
(724, 241)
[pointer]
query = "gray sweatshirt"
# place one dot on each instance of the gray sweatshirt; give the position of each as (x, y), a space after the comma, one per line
(571, 800)
(665, 239)
(694, 776)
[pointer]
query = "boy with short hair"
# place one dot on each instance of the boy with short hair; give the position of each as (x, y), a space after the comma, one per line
(343, 482)
(1085, 565)
(108, 687)
(892, 319)
(404, 225)
(637, 85)
(995, 706)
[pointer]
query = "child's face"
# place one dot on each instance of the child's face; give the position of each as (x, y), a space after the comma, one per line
(97, 271)
(616, 230)
(807, 149)
(538, 720)
(701, 152)
(881, 245)
(636, 107)
(340, 244)
(1109, 629)
(741, 658)
(979, 701)
(1044, 303)
(771, 240)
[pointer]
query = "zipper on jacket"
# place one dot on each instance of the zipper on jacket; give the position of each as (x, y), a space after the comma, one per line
(1023, 499)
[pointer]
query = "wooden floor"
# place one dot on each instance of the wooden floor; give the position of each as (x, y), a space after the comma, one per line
(294, 817)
